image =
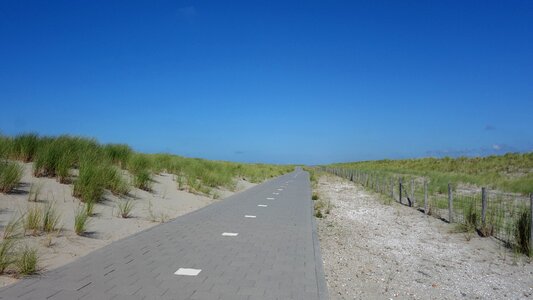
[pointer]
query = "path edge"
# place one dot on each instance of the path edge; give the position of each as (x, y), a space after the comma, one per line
(322, 287)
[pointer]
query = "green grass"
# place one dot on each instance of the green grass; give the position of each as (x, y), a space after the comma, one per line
(510, 172)
(90, 184)
(522, 229)
(125, 207)
(27, 261)
(50, 218)
(33, 219)
(12, 230)
(23, 147)
(7, 254)
(140, 166)
(10, 176)
(119, 154)
(143, 180)
(99, 166)
(81, 220)
(115, 182)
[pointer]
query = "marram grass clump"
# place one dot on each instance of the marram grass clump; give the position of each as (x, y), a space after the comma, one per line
(10, 176)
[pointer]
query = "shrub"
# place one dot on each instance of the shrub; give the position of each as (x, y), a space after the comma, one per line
(315, 196)
(27, 261)
(81, 220)
(125, 208)
(7, 254)
(10, 176)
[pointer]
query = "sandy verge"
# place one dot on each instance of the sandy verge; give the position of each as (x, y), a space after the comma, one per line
(376, 251)
(163, 203)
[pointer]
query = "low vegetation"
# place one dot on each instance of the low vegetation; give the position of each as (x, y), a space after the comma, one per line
(101, 167)
(125, 207)
(508, 180)
(510, 172)
(10, 175)
(81, 220)
(27, 261)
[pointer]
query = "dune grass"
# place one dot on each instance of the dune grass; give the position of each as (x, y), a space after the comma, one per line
(33, 219)
(119, 154)
(7, 254)
(50, 218)
(27, 261)
(521, 231)
(10, 176)
(510, 172)
(12, 229)
(24, 146)
(100, 166)
(81, 220)
(125, 207)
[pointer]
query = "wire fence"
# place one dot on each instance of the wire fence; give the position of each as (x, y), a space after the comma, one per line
(505, 216)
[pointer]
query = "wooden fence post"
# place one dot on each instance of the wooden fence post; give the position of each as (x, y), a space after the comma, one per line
(483, 207)
(425, 197)
(450, 203)
(413, 192)
(531, 222)
(392, 188)
(400, 189)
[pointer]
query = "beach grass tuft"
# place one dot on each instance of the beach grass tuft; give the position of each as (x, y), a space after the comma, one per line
(10, 176)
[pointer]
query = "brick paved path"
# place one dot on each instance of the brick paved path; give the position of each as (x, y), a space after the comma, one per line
(274, 256)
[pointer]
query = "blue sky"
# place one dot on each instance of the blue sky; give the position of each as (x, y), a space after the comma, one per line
(273, 81)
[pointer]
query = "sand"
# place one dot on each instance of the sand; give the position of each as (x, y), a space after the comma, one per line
(376, 251)
(163, 203)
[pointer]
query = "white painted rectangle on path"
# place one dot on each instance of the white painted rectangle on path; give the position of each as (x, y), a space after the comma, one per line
(271, 198)
(248, 216)
(230, 234)
(262, 205)
(187, 272)
(280, 190)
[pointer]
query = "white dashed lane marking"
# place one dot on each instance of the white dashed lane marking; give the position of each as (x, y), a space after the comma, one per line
(230, 234)
(262, 205)
(187, 272)
(249, 216)
(271, 198)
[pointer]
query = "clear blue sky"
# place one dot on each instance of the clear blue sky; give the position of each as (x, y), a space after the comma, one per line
(273, 81)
